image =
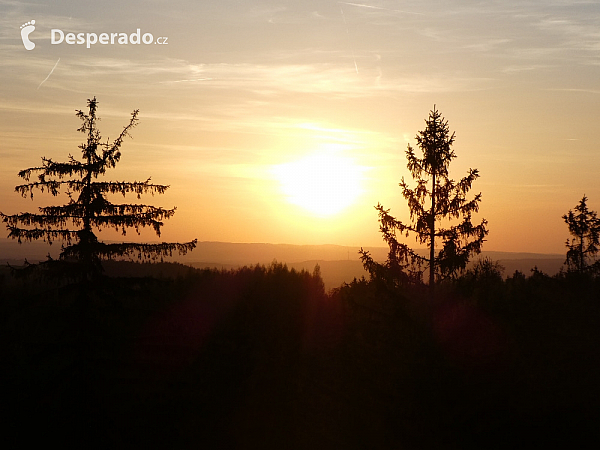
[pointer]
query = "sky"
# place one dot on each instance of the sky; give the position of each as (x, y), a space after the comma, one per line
(287, 122)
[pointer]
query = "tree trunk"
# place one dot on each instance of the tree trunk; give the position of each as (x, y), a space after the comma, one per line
(432, 240)
(581, 255)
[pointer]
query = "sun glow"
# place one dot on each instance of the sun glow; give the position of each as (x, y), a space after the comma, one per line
(323, 184)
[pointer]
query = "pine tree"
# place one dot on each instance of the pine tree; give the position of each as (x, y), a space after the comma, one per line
(435, 198)
(88, 209)
(584, 226)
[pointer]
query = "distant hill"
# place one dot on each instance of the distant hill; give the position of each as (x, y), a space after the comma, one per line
(341, 264)
(338, 263)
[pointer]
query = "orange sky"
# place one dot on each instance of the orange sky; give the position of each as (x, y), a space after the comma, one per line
(244, 89)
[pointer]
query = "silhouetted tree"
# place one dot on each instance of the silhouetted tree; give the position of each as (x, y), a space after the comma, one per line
(436, 197)
(584, 226)
(88, 208)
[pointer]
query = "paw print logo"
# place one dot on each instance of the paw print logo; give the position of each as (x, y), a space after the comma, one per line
(26, 30)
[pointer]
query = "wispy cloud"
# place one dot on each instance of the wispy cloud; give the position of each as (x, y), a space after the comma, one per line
(337, 79)
(487, 45)
(587, 91)
(45, 79)
(520, 69)
(380, 8)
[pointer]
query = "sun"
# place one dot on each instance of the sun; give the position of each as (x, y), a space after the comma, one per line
(323, 184)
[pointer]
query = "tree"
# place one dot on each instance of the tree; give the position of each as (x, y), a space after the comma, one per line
(584, 226)
(435, 198)
(88, 208)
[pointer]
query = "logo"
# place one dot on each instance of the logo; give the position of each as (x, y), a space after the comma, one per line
(26, 30)
(89, 39)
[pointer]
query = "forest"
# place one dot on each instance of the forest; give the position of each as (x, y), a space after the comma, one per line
(109, 347)
(263, 357)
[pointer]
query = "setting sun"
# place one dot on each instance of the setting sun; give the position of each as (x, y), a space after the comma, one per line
(323, 184)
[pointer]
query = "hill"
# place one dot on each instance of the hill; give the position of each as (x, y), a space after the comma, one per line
(338, 263)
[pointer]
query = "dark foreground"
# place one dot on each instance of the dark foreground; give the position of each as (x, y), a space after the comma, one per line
(263, 358)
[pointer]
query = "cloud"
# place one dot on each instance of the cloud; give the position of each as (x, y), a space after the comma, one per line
(575, 33)
(487, 45)
(587, 91)
(517, 69)
(379, 8)
(337, 78)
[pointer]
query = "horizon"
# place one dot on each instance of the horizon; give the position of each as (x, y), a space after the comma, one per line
(277, 122)
(338, 264)
(42, 249)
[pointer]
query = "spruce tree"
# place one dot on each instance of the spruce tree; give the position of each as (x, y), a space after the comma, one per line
(88, 208)
(435, 200)
(584, 226)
